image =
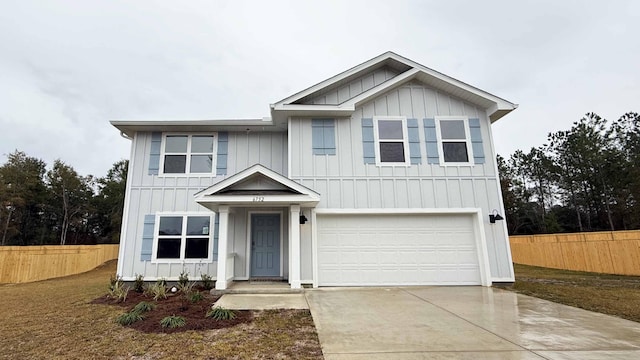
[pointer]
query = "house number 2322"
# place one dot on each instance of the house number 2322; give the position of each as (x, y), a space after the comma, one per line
(258, 199)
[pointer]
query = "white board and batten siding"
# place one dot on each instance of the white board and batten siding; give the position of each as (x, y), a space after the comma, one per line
(346, 182)
(151, 194)
(353, 88)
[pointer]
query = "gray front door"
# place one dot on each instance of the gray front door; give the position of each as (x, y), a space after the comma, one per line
(265, 245)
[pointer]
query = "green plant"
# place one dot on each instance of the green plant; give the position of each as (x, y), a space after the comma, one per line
(207, 281)
(183, 279)
(172, 322)
(186, 288)
(138, 285)
(157, 291)
(113, 280)
(143, 307)
(195, 297)
(117, 289)
(129, 318)
(219, 313)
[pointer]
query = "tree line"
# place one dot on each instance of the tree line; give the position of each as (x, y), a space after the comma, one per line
(586, 178)
(59, 206)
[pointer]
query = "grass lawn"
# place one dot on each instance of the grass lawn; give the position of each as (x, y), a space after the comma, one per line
(55, 319)
(608, 294)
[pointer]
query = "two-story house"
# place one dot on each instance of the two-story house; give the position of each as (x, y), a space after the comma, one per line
(384, 174)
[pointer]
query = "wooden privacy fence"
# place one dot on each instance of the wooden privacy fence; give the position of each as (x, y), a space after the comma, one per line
(610, 252)
(32, 263)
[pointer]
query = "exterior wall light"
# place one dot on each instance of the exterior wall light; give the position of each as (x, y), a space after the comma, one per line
(303, 219)
(495, 216)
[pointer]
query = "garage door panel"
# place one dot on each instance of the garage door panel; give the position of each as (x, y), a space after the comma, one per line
(396, 250)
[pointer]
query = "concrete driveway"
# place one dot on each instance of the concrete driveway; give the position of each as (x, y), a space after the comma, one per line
(462, 323)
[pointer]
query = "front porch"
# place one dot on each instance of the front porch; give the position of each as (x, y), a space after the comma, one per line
(259, 214)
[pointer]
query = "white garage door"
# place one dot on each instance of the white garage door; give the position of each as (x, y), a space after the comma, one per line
(386, 249)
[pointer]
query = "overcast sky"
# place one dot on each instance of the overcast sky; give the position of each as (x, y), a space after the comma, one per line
(68, 67)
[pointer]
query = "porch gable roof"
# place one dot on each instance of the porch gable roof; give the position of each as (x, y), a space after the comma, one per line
(277, 190)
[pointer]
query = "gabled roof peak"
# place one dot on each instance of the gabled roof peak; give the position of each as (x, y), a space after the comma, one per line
(398, 70)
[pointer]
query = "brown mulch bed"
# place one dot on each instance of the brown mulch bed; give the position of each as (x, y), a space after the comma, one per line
(176, 304)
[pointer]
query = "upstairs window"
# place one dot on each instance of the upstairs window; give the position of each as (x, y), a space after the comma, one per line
(391, 141)
(188, 154)
(183, 237)
(453, 135)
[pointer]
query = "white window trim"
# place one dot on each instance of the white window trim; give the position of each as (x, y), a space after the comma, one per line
(405, 141)
(183, 237)
(188, 153)
(467, 140)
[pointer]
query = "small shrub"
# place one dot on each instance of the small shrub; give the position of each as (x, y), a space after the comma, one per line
(162, 281)
(172, 322)
(195, 297)
(138, 285)
(157, 291)
(113, 280)
(129, 318)
(117, 289)
(183, 279)
(143, 307)
(186, 288)
(207, 281)
(219, 313)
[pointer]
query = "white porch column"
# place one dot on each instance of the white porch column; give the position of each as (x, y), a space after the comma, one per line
(223, 242)
(294, 240)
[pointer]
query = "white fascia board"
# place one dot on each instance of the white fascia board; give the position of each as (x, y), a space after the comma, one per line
(499, 110)
(255, 169)
(258, 199)
(332, 80)
(203, 122)
(453, 81)
(265, 199)
(283, 113)
(378, 90)
(129, 127)
(300, 108)
(400, 211)
(255, 201)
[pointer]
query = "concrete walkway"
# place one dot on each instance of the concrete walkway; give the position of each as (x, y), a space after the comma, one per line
(463, 323)
(262, 301)
(248, 295)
